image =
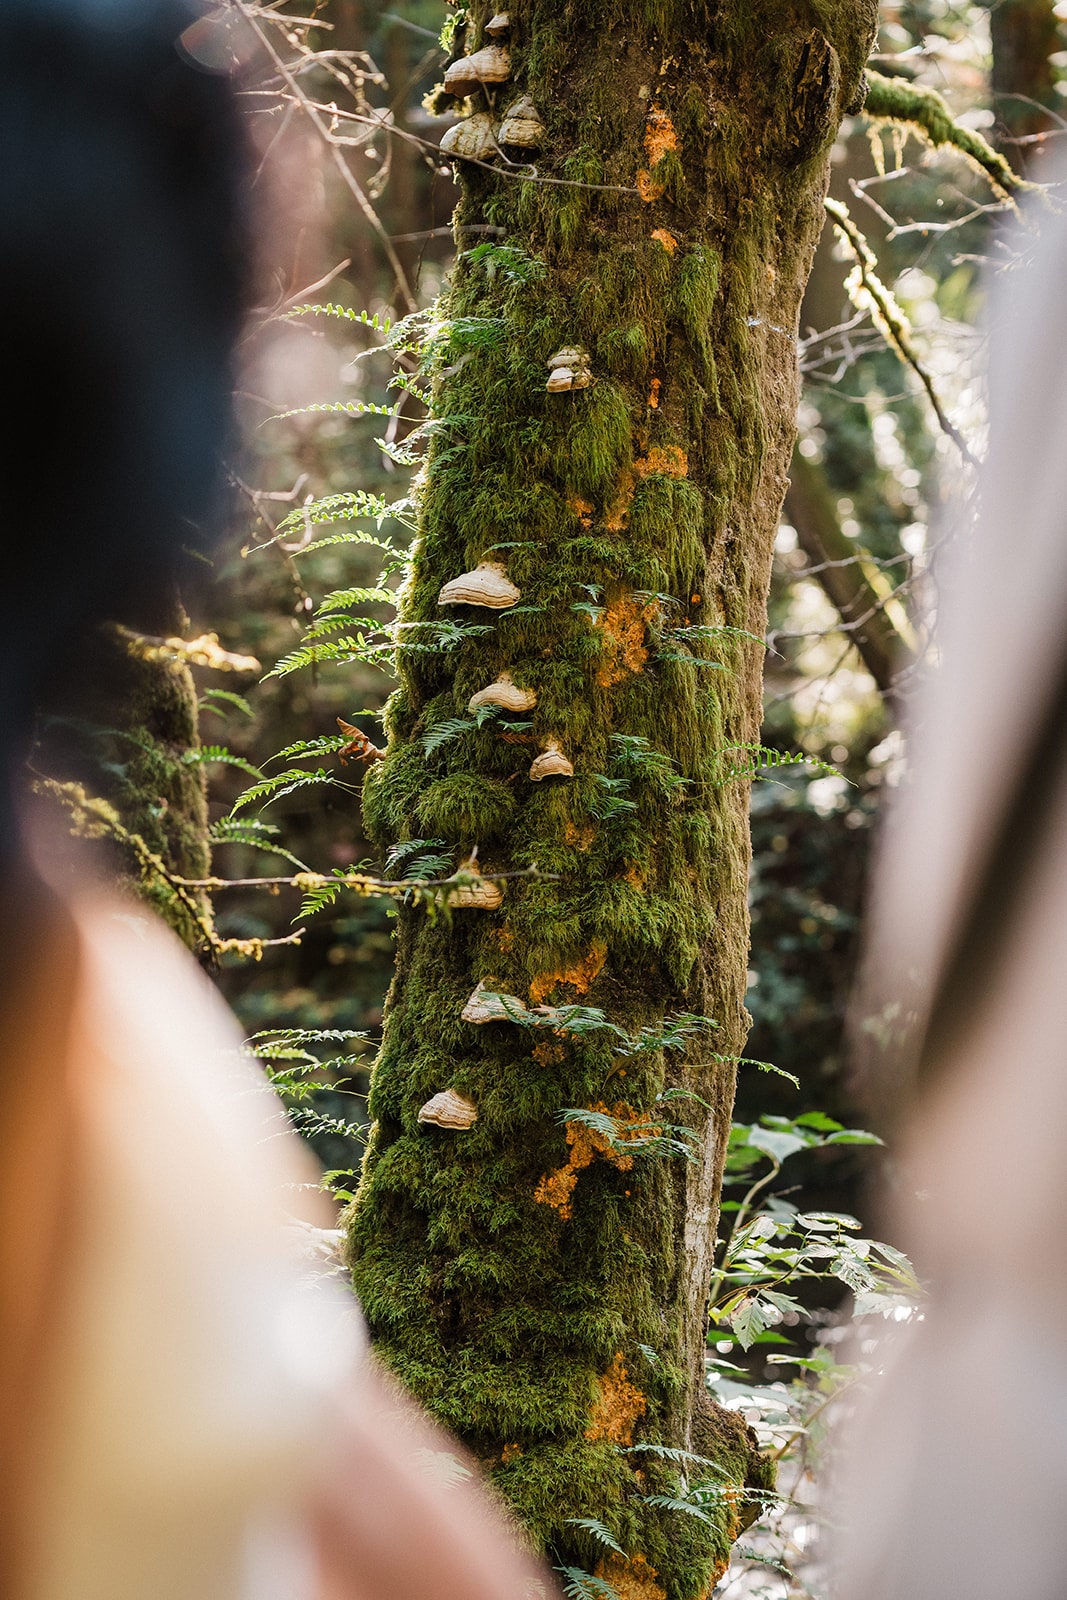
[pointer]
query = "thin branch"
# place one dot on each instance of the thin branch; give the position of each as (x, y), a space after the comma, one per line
(867, 292)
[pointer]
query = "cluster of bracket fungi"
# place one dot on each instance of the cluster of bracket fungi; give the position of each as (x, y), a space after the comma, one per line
(482, 137)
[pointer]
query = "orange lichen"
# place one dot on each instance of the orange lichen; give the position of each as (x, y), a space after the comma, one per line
(582, 510)
(654, 388)
(556, 1188)
(617, 1408)
(548, 1054)
(634, 1579)
(667, 240)
(659, 135)
(623, 623)
(669, 459)
(648, 187)
(579, 838)
(617, 511)
(510, 1452)
(579, 976)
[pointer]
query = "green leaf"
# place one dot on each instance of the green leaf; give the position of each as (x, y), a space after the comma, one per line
(779, 1146)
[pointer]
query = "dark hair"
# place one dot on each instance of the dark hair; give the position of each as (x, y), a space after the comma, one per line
(122, 279)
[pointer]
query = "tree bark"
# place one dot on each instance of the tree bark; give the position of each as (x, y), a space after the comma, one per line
(542, 1290)
(1024, 35)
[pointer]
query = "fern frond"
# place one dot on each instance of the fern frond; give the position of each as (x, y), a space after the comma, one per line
(764, 759)
(601, 1534)
(443, 732)
(207, 701)
(410, 847)
(206, 754)
(345, 408)
(582, 1585)
(306, 749)
(368, 319)
(339, 599)
(284, 783)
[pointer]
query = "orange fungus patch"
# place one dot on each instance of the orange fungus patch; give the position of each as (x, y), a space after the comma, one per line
(648, 187)
(669, 459)
(510, 1452)
(623, 624)
(556, 1188)
(579, 838)
(618, 1406)
(632, 1580)
(667, 240)
(548, 1054)
(579, 976)
(659, 136)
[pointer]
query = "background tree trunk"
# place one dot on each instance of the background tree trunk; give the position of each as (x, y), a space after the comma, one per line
(540, 1287)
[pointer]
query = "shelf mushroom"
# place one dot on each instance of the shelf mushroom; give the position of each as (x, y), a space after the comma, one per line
(568, 369)
(489, 65)
(480, 894)
(486, 1006)
(473, 139)
(499, 25)
(551, 763)
(504, 692)
(522, 127)
(449, 1110)
(487, 585)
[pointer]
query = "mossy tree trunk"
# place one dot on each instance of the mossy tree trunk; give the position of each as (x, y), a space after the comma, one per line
(540, 1287)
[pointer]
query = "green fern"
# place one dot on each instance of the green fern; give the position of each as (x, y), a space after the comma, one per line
(368, 319)
(207, 702)
(765, 758)
(207, 754)
(581, 1585)
(284, 783)
(601, 1534)
(345, 408)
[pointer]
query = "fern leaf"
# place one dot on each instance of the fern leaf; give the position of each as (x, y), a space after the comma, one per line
(602, 1535)
(368, 319)
(206, 754)
(581, 1585)
(345, 408)
(443, 732)
(207, 701)
(281, 784)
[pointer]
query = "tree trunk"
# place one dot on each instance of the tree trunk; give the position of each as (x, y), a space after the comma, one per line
(541, 1286)
(1024, 35)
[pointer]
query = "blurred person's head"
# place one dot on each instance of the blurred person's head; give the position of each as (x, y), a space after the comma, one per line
(122, 277)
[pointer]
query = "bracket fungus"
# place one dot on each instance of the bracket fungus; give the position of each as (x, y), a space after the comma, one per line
(486, 1006)
(487, 66)
(487, 585)
(499, 25)
(551, 763)
(474, 139)
(568, 369)
(522, 127)
(480, 894)
(449, 1110)
(504, 692)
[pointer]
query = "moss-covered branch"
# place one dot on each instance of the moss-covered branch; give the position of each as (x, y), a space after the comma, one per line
(927, 114)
